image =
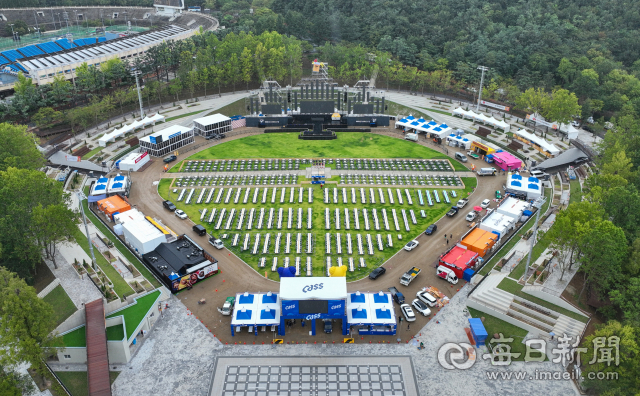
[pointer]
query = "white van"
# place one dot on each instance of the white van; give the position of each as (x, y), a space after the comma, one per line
(411, 136)
(461, 157)
(447, 274)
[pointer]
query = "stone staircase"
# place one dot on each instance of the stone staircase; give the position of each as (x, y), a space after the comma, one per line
(535, 316)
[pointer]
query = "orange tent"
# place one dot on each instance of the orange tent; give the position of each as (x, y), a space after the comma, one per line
(113, 205)
(480, 241)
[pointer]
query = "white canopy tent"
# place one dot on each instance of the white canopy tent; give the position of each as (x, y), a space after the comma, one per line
(151, 120)
(116, 133)
(572, 133)
(548, 147)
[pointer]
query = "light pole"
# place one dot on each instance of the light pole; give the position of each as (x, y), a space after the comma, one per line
(137, 73)
(483, 68)
(82, 197)
(537, 204)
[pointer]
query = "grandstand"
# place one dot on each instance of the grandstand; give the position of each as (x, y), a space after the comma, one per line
(42, 60)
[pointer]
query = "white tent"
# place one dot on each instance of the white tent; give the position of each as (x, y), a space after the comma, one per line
(546, 146)
(151, 120)
(403, 123)
(572, 133)
(111, 136)
(482, 118)
(460, 111)
(530, 186)
(501, 124)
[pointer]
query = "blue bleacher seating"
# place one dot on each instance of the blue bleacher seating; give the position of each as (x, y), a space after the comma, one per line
(3, 61)
(78, 42)
(90, 40)
(20, 67)
(64, 43)
(30, 50)
(12, 55)
(102, 39)
(50, 47)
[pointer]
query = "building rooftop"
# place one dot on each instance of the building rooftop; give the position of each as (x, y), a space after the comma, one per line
(177, 258)
(212, 119)
(513, 207)
(166, 134)
(136, 224)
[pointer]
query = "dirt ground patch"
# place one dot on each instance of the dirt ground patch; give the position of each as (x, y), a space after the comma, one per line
(43, 276)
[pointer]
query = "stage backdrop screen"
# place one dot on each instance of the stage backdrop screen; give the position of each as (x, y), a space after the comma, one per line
(316, 106)
(271, 109)
(362, 109)
(313, 306)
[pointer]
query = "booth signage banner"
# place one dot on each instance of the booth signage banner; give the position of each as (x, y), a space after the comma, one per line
(535, 119)
(141, 157)
(191, 279)
(72, 158)
(495, 106)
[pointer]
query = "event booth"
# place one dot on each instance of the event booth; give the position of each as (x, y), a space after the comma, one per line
(133, 161)
(498, 223)
(523, 187)
(371, 314)
(99, 190)
(140, 234)
(482, 118)
(537, 142)
(313, 298)
(112, 206)
(461, 260)
(255, 311)
(506, 161)
(462, 141)
(513, 208)
(479, 241)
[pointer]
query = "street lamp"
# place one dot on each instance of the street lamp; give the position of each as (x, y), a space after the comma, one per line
(136, 73)
(483, 69)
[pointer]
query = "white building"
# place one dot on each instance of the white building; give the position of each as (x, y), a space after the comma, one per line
(134, 161)
(167, 140)
(524, 187)
(498, 223)
(513, 207)
(212, 125)
(139, 233)
(119, 185)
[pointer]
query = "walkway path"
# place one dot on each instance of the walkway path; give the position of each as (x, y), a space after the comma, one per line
(80, 289)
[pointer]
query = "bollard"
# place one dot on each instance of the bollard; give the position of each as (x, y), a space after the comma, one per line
(314, 342)
(262, 342)
(334, 342)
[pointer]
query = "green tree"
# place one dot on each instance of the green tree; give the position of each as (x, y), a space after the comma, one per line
(176, 87)
(533, 100)
(627, 299)
(628, 381)
(586, 83)
(205, 78)
(26, 324)
(18, 148)
(232, 70)
(53, 225)
(192, 82)
(46, 116)
(562, 107)
(246, 65)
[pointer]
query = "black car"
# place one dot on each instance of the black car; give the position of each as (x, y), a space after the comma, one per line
(431, 229)
(169, 205)
(328, 327)
(200, 230)
(170, 158)
(377, 272)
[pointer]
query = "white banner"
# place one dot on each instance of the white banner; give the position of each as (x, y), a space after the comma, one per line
(495, 106)
(71, 158)
(538, 121)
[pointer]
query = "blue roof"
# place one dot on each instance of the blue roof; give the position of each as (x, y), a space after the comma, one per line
(50, 47)
(380, 299)
(477, 327)
(527, 213)
(3, 60)
(103, 180)
(380, 314)
(533, 186)
(246, 299)
(100, 187)
(244, 315)
(411, 118)
(118, 178)
(516, 183)
(465, 140)
(415, 123)
(516, 177)
(12, 55)
(444, 126)
(432, 122)
(421, 120)
(64, 43)
(270, 299)
(78, 42)
(117, 185)
(267, 314)
(31, 50)
(437, 129)
(403, 120)
(361, 314)
(533, 179)
(357, 298)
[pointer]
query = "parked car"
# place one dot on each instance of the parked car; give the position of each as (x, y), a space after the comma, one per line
(397, 296)
(328, 327)
(471, 216)
(427, 298)
(408, 313)
(473, 155)
(498, 194)
(485, 204)
(411, 245)
(169, 205)
(181, 214)
(421, 307)
(170, 158)
(431, 229)
(200, 230)
(377, 272)
(575, 124)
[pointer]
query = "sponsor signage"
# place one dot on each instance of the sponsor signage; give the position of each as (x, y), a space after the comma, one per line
(336, 309)
(72, 158)
(538, 121)
(140, 157)
(494, 105)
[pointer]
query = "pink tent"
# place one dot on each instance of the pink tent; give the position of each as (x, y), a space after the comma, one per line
(506, 161)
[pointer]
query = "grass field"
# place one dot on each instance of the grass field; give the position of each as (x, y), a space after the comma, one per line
(62, 305)
(92, 153)
(115, 333)
(235, 108)
(76, 381)
(494, 325)
(318, 224)
(347, 145)
(76, 338)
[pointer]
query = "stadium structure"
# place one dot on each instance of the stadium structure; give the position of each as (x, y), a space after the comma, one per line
(43, 60)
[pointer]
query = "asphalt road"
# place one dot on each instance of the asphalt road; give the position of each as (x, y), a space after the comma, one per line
(236, 276)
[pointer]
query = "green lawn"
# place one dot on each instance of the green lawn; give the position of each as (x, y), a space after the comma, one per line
(115, 333)
(92, 153)
(62, 305)
(494, 325)
(183, 115)
(121, 248)
(134, 313)
(75, 338)
(76, 381)
(235, 108)
(318, 230)
(347, 145)
(515, 288)
(575, 192)
(506, 248)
